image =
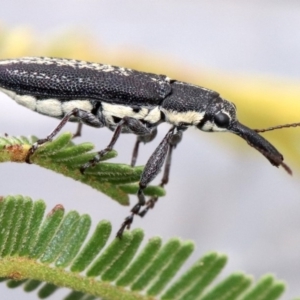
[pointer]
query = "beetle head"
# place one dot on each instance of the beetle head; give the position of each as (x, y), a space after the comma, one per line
(220, 115)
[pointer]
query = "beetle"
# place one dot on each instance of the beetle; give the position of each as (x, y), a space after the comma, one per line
(125, 101)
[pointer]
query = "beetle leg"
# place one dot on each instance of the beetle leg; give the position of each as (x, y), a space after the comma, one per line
(85, 116)
(135, 126)
(165, 179)
(78, 130)
(144, 139)
(151, 170)
(173, 142)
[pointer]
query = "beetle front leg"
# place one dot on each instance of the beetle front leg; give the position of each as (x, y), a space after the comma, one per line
(151, 170)
(82, 115)
(165, 179)
(173, 142)
(135, 126)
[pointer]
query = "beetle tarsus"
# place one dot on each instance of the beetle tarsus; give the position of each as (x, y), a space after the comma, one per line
(125, 225)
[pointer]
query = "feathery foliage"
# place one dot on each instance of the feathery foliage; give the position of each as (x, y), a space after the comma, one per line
(45, 253)
(64, 157)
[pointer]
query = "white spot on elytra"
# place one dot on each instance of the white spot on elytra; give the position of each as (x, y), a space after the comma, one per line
(27, 101)
(68, 106)
(188, 117)
(49, 107)
(121, 111)
(153, 116)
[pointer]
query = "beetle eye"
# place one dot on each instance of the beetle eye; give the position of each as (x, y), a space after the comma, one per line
(222, 120)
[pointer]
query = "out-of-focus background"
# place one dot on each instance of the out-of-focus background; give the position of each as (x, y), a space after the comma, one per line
(223, 195)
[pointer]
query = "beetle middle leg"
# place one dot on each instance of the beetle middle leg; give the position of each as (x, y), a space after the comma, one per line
(151, 170)
(142, 139)
(78, 130)
(134, 125)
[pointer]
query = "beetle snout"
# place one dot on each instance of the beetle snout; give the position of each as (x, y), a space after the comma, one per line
(260, 144)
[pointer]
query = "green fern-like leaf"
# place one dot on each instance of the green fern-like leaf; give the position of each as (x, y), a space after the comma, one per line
(45, 253)
(64, 157)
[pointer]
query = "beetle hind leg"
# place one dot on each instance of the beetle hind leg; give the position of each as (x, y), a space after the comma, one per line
(84, 116)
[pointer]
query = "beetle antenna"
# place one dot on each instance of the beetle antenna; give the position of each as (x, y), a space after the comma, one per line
(277, 127)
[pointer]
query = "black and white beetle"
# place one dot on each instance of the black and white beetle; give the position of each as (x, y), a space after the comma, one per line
(125, 101)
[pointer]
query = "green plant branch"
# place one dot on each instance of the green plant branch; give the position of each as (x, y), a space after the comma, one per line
(19, 268)
(64, 157)
(58, 254)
